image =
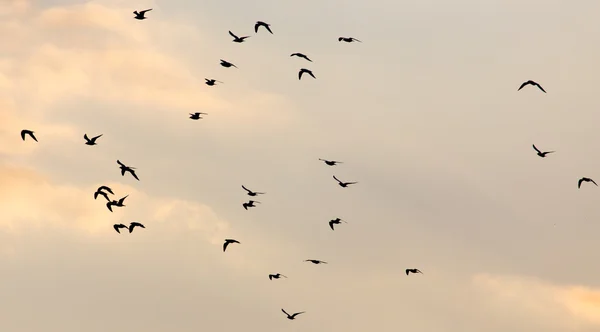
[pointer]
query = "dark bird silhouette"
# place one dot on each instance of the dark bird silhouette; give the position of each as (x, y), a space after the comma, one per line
(585, 180)
(300, 55)
(304, 70)
(292, 316)
(348, 39)
(315, 261)
(413, 271)
(276, 276)
(101, 192)
(330, 162)
(211, 82)
(249, 204)
(28, 132)
(335, 221)
(237, 39)
(530, 82)
(102, 188)
(227, 64)
(117, 226)
(262, 24)
(227, 242)
(252, 193)
(127, 169)
(91, 141)
(196, 116)
(118, 203)
(140, 15)
(540, 153)
(343, 184)
(135, 224)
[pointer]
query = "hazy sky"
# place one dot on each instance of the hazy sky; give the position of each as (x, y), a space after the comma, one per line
(425, 115)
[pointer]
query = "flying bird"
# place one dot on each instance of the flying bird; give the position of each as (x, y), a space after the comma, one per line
(304, 70)
(28, 132)
(102, 188)
(211, 82)
(413, 271)
(348, 39)
(292, 316)
(263, 24)
(140, 15)
(330, 162)
(343, 184)
(300, 55)
(127, 169)
(117, 226)
(252, 193)
(118, 203)
(315, 261)
(276, 276)
(237, 39)
(134, 224)
(540, 153)
(91, 141)
(227, 242)
(530, 82)
(196, 116)
(249, 204)
(101, 192)
(335, 221)
(585, 180)
(227, 64)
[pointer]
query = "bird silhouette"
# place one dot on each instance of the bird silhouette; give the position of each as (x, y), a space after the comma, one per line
(249, 204)
(28, 132)
(227, 64)
(335, 221)
(276, 276)
(304, 70)
(237, 39)
(540, 153)
(140, 15)
(91, 141)
(118, 203)
(348, 39)
(262, 24)
(252, 193)
(530, 82)
(300, 55)
(292, 316)
(315, 261)
(413, 271)
(330, 162)
(100, 191)
(196, 116)
(135, 224)
(227, 242)
(343, 184)
(124, 169)
(117, 226)
(211, 82)
(584, 179)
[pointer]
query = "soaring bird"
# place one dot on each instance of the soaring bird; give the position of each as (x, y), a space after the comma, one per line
(252, 193)
(540, 153)
(134, 224)
(335, 221)
(413, 271)
(196, 116)
(101, 192)
(117, 226)
(211, 82)
(330, 162)
(118, 203)
(348, 39)
(249, 204)
(304, 70)
(585, 180)
(237, 39)
(140, 15)
(530, 82)
(300, 55)
(315, 261)
(227, 64)
(343, 184)
(28, 132)
(276, 276)
(263, 24)
(227, 242)
(294, 315)
(91, 141)
(127, 169)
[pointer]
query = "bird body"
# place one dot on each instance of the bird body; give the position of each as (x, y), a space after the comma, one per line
(530, 82)
(118, 226)
(227, 242)
(300, 55)
(348, 39)
(293, 316)
(118, 203)
(141, 14)
(135, 224)
(91, 141)
(540, 153)
(125, 169)
(330, 162)
(262, 24)
(211, 82)
(28, 132)
(249, 204)
(100, 191)
(276, 276)
(413, 271)
(315, 261)
(304, 70)
(237, 39)
(335, 222)
(343, 184)
(196, 116)
(252, 193)
(584, 179)
(227, 64)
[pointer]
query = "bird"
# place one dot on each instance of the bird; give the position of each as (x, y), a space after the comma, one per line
(300, 55)
(227, 64)
(100, 191)
(335, 221)
(530, 82)
(294, 315)
(140, 15)
(263, 24)
(304, 70)
(348, 39)
(315, 261)
(252, 193)
(237, 39)
(330, 162)
(343, 184)
(584, 179)
(276, 276)
(413, 271)
(249, 204)
(133, 224)
(211, 82)
(227, 242)
(91, 141)
(540, 153)
(196, 116)
(118, 203)
(117, 226)
(127, 169)
(28, 132)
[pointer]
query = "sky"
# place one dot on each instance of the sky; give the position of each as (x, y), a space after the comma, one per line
(424, 114)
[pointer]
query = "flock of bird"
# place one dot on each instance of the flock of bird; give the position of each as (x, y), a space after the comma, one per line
(104, 191)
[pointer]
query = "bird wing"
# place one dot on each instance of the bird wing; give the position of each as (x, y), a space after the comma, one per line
(85, 136)
(594, 182)
(95, 138)
(123, 199)
(536, 149)
(311, 74)
(106, 188)
(116, 227)
(356, 40)
(134, 175)
(23, 132)
(270, 277)
(351, 182)
(32, 136)
(340, 38)
(331, 225)
(245, 205)
(300, 74)
(337, 179)
(285, 312)
(539, 86)
(225, 246)
(256, 27)
(246, 189)
(522, 85)
(120, 163)
(232, 35)
(109, 206)
(579, 183)
(298, 313)
(131, 227)
(144, 11)
(407, 271)
(268, 29)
